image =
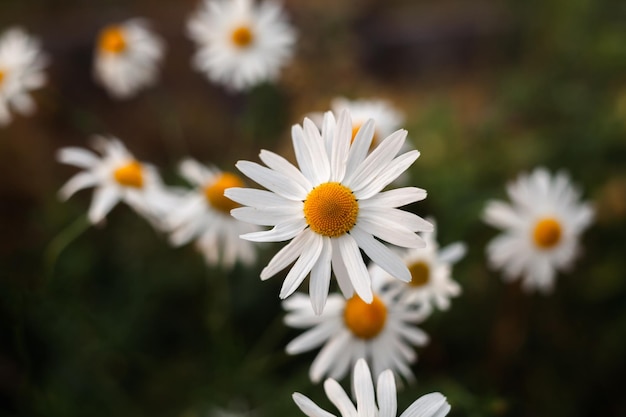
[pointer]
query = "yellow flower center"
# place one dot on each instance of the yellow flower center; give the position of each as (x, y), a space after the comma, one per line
(365, 320)
(1, 76)
(214, 192)
(129, 175)
(242, 36)
(547, 233)
(420, 274)
(112, 40)
(331, 209)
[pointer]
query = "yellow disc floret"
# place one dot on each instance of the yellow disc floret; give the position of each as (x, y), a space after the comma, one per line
(242, 36)
(129, 175)
(364, 320)
(420, 274)
(112, 40)
(214, 192)
(2, 75)
(331, 209)
(547, 233)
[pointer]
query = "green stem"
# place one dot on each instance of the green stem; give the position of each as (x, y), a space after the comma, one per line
(61, 241)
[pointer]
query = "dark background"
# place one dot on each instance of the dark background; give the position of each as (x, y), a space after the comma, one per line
(112, 321)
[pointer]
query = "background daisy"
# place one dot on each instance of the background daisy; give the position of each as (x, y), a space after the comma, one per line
(240, 43)
(203, 215)
(116, 176)
(383, 332)
(127, 57)
(21, 70)
(431, 282)
(542, 228)
(382, 402)
(331, 207)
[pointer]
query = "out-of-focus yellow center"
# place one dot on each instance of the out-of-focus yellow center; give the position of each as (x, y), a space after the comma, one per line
(112, 40)
(214, 192)
(129, 175)
(365, 320)
(420, 274)
(547, 233)
(242, 36)
(331, 209)
(355, 129)
(1, 76)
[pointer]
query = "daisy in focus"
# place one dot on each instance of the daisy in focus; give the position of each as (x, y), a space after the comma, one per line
(21, 70)
(331, 207)
(382, 332)
(240, 43)
(204, 215)
(370, 402)
(116, 176)
(127, 58)
(431, 282)
(542, 228)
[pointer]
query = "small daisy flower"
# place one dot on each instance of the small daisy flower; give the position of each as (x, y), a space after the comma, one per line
(204, 215)
(382, 332)
(240, 43)
(370, 403)
(127, 58)
(541, 228)
(388, 119)
(431, 282)
(116, 176)
(332, 206)
(21, 70)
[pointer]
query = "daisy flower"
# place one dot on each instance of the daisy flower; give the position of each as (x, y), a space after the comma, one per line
(116, 176)
(204, 215)
(431, 282)
(127, 58)
(332, 206)
(21, 70)
(541, 228)
(240, 43)
(429, 405)
(381, 332)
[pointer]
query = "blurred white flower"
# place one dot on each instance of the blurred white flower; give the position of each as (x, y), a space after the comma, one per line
(127, 58)
(387, 118)
(431, 282)
(381, 332)
(203, 214)
(332, 206)
(116, 176)
(541, 227)
(429, 405)
(240, 43)
(21, 70)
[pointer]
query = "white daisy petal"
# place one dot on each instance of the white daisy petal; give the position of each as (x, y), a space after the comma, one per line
(312, 338)
(364, 389)
(287, 255)
(315, 144)
(340, 399)
(387, 175)
(256, 198)
(272, 180)
(320, 277)
(104, 198)
(391, 232)
(386, 394)
(359, 277)
(340, 147)
(308, 407)
(381, 255)
(267, 216)
(429, 405)
(360, 147)
(79, 157)
(394, 198)
(323, 361)
(280, 164)
(78, 182)
(302, 267)
(279, 233)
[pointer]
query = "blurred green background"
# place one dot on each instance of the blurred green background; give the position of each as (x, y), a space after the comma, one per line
(112, 321)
